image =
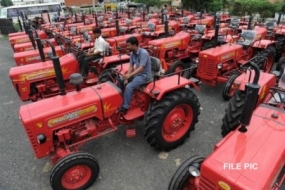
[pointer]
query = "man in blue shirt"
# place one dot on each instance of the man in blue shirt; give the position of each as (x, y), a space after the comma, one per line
(139, 72)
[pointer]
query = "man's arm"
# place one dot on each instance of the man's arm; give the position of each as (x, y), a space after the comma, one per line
(98, 49)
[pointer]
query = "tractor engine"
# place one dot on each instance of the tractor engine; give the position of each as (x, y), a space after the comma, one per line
(56, 123)
(216, 61)
(35, 80)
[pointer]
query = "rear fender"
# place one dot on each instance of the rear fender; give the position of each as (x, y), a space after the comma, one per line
(266, 81)
(159, 88)
(263, 44)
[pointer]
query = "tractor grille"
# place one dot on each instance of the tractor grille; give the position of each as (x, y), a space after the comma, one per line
(205, 184)
(33, 141)
(207, 67)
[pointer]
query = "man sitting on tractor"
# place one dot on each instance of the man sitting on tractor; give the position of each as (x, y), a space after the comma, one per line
(94, 53)
(139, 72)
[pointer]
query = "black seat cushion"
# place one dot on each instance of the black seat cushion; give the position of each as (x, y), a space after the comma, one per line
(155, 64)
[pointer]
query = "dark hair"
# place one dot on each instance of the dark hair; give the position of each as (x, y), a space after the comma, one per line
(97, 31)
(133, 41)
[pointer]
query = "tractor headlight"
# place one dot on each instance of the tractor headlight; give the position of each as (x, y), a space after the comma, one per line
(219, 66)
(196, 60)
(194, 169)
(41, 138)
(154, 47)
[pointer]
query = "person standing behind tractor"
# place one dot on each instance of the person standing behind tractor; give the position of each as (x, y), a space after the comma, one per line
(139, 72)
(94, 53)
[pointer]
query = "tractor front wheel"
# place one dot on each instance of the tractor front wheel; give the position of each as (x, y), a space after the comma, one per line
(169, 121)
(233, 112)
(228, 90)
(179, 66)
(75, 171)
(183, 179)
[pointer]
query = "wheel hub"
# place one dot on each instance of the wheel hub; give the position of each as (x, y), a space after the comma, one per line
(177, 122)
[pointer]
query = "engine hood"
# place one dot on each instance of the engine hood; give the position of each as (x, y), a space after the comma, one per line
(45, 69)
(250, 160)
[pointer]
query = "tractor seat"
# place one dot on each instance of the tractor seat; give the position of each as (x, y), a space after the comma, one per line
(234, 23)
(270, 25)
(155, 68)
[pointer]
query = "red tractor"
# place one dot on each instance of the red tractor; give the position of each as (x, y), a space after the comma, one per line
(39, 54)
(181, 50)
(38, 81)
(59, 126)
(250, 157)
(222, 64)
(24, 38)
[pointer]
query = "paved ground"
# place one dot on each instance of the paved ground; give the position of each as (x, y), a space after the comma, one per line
(127, 164)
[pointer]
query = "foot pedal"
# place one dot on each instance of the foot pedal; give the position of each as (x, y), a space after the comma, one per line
(131, 132)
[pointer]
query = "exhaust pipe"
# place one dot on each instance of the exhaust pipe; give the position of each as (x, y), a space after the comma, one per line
(20, 24)
(252, 90)
(31, 37)
(39, 43)
(249, 22)
(57, 69)
(279, 18)
(217, 28)
(96, 20)
(117, 23)
(166, 25)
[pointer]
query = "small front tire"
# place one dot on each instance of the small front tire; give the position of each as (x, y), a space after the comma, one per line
(75, 171)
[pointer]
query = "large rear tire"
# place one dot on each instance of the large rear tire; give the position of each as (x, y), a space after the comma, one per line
(280, 47)
(233, 113)
(265, 64)
(182, 179)
(106, 75)
(75, 171)
(178, 66)
(169, 121)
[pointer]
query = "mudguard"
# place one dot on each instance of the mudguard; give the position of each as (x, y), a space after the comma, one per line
(263, 44)
(160, 87)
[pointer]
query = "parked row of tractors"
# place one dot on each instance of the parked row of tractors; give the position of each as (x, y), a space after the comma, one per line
(185, 52)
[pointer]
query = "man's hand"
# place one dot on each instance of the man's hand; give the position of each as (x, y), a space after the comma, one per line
(126, 82)
(127, 76)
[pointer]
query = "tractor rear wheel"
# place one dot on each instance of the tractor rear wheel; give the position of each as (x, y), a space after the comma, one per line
(280, 47)
(182, 179)
(265, 64)
(228, 90)
(233, 112)
(105, 76)
(169, 121)
(75, 171)
(280, 63)
(179, 66)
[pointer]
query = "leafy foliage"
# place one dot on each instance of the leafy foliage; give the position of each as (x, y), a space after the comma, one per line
(6, 3)
(150, 2)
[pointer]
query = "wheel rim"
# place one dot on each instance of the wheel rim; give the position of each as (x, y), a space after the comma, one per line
(177, 122)
(178, 69)
(230, 91)
(76, 176)
(268, 64)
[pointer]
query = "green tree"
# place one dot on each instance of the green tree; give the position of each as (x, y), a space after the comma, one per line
(156, 3)
(6, 3)
(264, 7)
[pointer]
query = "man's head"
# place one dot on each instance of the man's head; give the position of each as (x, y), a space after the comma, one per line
(96, 32)
(132, 44)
